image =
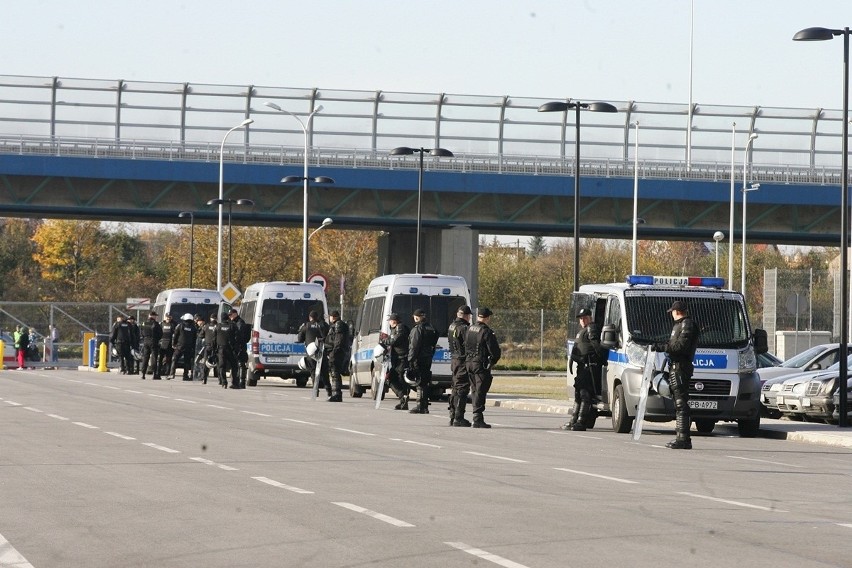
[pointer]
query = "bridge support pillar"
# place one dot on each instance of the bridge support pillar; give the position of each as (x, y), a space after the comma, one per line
(445, 251)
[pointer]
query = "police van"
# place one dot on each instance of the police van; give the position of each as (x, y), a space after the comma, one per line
(633, 315)
(275, 311)
(180, 301)
(440, 296)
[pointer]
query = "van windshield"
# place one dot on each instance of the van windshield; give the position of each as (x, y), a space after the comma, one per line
(282, 315)
(721, 320)
(440, 310)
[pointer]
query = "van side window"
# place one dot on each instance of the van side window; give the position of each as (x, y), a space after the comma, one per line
(247, 310)
(613, 313)
(371, 319)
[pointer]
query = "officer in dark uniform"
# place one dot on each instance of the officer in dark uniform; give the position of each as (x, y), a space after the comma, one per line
(135, 344)
(151, 333)
(226, 339)
(397, 343)
(456, 334)
(120, 340)
(421, 347)
(313, 329)
(183, 342)
(588, 355)
(164, 363)
(208, 343)
(681, 351)
(481, 352)
(336, 352)
(242, 337)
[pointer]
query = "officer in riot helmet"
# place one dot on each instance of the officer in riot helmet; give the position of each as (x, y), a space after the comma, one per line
(588, 356)
(397, 342)
(456, 335)
(481, 354)
(421, 347)
(183, 342)
(151, 333)
(680, 349)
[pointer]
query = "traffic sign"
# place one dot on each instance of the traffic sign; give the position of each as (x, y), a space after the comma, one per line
(138, 303)
(320, 279)
(231, 293)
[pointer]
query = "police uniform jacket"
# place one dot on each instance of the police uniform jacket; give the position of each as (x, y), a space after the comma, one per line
(184, 335)
(311, 331)
(481, 345)
(120, 332)
(421, 345)
(151, 332)
(168, 330)
(683, 342)
(243, 335)
(334, 342)
(397, 342)
(587, 348)
(226, 335)
(210, 334)
(456, 336)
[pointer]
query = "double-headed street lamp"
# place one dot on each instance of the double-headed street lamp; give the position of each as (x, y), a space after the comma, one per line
(305, 235)
(231, 203)
(754, 187)
(183, 215)
(244, 123)
(406, 151)
(819, 34)
(557, 106)
(305, 129)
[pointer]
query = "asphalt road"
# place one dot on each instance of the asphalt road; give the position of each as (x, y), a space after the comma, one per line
(104, 470)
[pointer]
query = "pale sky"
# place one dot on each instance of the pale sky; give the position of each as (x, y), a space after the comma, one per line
(585, 49)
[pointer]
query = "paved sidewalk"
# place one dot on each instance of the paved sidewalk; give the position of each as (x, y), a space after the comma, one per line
(812, 433)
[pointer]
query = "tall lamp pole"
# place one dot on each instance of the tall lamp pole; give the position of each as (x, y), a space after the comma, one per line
(305, 180)
(751, 138)
(305, 128)
(754, 187)
(406, 151)
(182, 215)
(635, 199)
(733, 193)
(819, 34)
(230, 202)
(558, 106)
(718, 236)
(246, 122)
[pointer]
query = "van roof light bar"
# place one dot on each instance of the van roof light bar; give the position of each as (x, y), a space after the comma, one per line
(706, 281)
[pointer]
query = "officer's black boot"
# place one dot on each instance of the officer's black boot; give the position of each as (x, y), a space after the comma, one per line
(422, 404)
(461, 403)
(682, 423)
(479, 421)
(575, 413)
(337, 387)
(452, 408)
(580, 423)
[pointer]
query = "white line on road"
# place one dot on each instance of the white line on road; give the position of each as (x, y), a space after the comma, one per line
(10, 403)
(618, 479)
(84, 425)
(158, 395)
(184, 400)
(847, 525)
(111, 387)
(133, 391)
(11, 558)
(256, 413)
(161, 448)
(375, 515)
(301, 421)
(421, 444)
(763, 461)
(31, 409)
(729, 502)
(219, 407)
(498, 560)
(219, 465)
(58, 417)
(496, 457)
(122, 436)
(355, 432)
(274, 483)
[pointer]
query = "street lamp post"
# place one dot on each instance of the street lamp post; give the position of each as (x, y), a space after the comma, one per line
(818, 34)
(635, 199)
(246, 122)
(182, 215)
(406, 151)
(230, 202)
(305, 128)
(325, 223)
(751, 138)
(718, 236)
(754, 187)
(306, 236)
(558, 106)
(731, 211)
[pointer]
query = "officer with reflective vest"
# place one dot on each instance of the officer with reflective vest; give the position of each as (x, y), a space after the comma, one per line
(588, 356)
(151, 333)
(421, 348)
(456, 335)
(481, 353)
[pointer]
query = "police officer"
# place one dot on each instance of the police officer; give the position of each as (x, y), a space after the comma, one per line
(481, 353)
(313, 329)
(151, 333)
(120, 340)
(461, 382)
(421, 348)
(226, 338)
(681, 351)
(588, 355)
(183, 342)
(242, 337)
(135, 341)
(397, 342)
(336, 349)
(208, 343)
(164, 363)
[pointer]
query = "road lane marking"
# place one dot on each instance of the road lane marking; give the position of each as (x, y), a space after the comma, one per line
(111, 387)
(161, 448)
(10, 557)
(479, 553)
(84, 425)
(301, 421)
(10, 403)
(184, 400)
(133, 391)
(219, 465)
(847, 525)
(58, 417)
(122, 436)
(729, 502)
(219, 407)
(763, 461)
(158, 395)
(496, 457)
(373, 514)
(31, 409)
(421, 444)
(355, 432)
(608, 478)
(274, 483)
(256, 413)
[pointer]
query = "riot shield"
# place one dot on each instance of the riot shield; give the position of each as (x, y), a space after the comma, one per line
(647, 373)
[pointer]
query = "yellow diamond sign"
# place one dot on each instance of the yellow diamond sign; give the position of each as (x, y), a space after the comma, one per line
(231, 293)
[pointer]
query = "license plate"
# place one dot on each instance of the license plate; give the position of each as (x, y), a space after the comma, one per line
(276, 359)
(704, 404)
(806, 402)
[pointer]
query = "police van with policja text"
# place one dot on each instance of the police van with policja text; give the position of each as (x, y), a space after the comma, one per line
(439, 295)
(275, 311)
(634, 315)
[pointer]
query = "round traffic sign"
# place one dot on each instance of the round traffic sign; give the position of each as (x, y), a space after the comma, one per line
(320, 279)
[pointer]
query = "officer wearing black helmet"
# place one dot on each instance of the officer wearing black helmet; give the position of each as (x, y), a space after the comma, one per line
(421, 348)
(456, 334)
(681, 351)
(588, 356)
(183, 342)
(481, 353)
(397, 342)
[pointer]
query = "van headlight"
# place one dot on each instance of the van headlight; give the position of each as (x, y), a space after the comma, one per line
(747, 361)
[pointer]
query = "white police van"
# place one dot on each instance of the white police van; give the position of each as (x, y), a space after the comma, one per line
(275, 311)
(633, 315)
(439, 295)
(180, 301)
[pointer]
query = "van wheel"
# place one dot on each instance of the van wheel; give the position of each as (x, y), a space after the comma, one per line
(355, 390)
(705, 426)
(251, 378)
(621, 421)
(301, 381)
(748, 428)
